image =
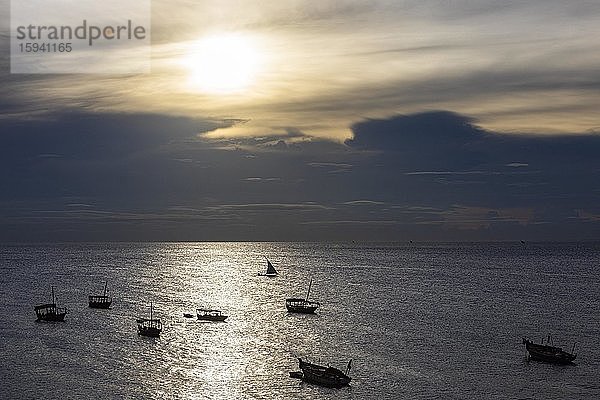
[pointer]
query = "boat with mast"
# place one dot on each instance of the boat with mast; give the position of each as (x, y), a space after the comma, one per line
(303, 306)
(149, 327)
(102, 301)
(321, 375)
(271, 271)
(50, 312)
(548, 352)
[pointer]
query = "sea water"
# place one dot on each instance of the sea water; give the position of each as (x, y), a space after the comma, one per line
(419, 321)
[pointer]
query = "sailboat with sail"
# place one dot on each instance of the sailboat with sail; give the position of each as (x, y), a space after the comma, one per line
(149, 327)
(50, 312)
(303, 306)
(103, 301)
(271, 271)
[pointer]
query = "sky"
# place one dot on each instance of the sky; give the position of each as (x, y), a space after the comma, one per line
(330, 120)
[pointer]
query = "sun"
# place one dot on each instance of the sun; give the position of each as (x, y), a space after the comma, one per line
(222, 64)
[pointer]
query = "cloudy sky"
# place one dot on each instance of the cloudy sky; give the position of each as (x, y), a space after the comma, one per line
(304, 120)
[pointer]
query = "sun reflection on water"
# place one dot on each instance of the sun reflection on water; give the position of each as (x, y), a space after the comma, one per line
(232, 359)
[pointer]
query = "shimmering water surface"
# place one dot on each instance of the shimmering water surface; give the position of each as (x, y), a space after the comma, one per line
(419, 320)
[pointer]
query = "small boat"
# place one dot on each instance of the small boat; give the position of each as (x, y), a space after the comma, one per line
(271, 271)
(50, 312)
(149, 327)
(548, 352)
(324, 376)
(210, 315)
(297, 305)
(188, 315)
(103, 301)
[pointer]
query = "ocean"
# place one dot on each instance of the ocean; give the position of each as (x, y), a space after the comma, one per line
(419, 320)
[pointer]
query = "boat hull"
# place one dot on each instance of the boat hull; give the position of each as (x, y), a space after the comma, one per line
(551, 359)
(99, 301)
(149, 327)
(52, 317)
(323, 376)
(102, 305)
(204, 314)
(219, 318)
(549, 354)
(149, 332)
(301, 306)
(302, 309)
(50, 313)
(326, 381)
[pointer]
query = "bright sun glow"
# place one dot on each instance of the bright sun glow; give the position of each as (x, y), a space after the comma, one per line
(223, 64)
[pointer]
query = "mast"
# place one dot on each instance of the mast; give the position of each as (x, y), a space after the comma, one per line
(308, 293)
(150, 312)
(105, 285)
(52, 288)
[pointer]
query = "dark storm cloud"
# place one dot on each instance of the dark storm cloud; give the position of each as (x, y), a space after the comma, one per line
(434, 175)
(82, 175)
(427, 130)
(444, 143)
(444, 160)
